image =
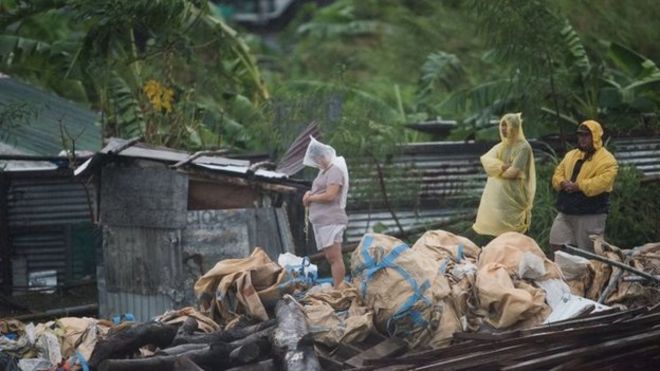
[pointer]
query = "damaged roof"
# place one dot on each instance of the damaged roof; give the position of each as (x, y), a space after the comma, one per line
(179, 159)
(38, 118)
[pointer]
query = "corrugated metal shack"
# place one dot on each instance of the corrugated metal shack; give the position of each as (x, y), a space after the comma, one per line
(169, 216)
(47, 235)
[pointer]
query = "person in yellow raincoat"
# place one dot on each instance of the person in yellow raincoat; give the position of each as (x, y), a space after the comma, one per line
(584, 180)
(506, 204)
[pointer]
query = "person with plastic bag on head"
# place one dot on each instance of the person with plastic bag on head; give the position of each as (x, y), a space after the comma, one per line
(327, 203)
(507, 200)
(584, 180)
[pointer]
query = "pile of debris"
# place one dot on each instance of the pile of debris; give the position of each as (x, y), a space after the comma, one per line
(614, 340)
(443, 303)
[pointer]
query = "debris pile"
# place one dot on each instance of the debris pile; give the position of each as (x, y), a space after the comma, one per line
(444, 300)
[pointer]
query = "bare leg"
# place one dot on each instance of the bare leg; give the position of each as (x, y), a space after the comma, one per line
(336, 260)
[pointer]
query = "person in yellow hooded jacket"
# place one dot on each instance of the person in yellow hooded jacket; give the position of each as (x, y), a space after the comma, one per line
(584, 180)
(507, 200)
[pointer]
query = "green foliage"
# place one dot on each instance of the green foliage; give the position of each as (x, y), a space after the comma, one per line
(544, 211)
(102, 53)
(634, 217)
(15, 114)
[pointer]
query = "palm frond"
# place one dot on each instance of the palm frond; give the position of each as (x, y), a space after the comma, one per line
(440, 68)
(580, 58)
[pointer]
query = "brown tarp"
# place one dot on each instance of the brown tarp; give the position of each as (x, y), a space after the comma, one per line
(234, 287)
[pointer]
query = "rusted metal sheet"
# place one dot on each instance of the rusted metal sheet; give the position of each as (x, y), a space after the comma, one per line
(642, 153)
(205, 195)
(142, 272)
(49, 201)
(215, 235)
(142, 260)
(145, 197)
(225, 234)
(291, 161)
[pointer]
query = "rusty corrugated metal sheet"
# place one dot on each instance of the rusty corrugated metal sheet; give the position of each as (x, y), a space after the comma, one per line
(445, 176)
(642, 153)
(49, 201)
(291, 161)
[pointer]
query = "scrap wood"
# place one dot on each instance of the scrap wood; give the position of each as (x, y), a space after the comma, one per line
(575, 251)
(128, 341)
(543, 347)
(591, 351)
(614, 282)
(224, 336)
(218, 350)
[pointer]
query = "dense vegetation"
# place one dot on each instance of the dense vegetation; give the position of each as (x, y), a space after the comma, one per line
(177, 74)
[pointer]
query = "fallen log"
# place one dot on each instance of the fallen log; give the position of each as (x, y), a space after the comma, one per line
(127, 342)
(181, 349)
(266, 365)
(291, 339)
(187, 337)
(211, 357)
(185, 364)
(216, 355)
(246, 353)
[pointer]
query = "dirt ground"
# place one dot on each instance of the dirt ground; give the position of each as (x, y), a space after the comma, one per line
(33, 303)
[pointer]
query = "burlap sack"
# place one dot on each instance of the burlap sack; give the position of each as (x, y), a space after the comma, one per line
(243, 286)
(508, 300)
(456, 256)
(409, 295)
(442, 244)
(578, 272)
(337, 315)
(179, 316)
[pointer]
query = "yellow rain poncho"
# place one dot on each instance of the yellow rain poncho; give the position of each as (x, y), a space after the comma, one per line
(506, 204)
(598, 171)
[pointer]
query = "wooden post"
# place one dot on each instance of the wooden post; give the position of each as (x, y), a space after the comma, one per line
(5, 245)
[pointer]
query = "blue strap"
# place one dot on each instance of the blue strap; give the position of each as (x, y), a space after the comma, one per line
(459, 252)
(367, 240)
(443, 265)
(81, 360)
(387, 262)
(418, 294)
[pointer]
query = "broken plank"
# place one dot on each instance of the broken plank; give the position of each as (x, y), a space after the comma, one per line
(387, 348)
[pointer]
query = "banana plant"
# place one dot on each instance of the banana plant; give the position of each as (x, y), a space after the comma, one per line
(106, 51)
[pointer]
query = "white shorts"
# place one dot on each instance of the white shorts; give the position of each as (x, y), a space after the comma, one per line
(328, 235)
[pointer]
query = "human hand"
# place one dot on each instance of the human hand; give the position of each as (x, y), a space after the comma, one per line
(570, 187)
(306, 197)
(505, 167)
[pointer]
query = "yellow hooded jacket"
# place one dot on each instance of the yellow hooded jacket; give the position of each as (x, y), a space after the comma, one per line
(597, 173)
(507, 200)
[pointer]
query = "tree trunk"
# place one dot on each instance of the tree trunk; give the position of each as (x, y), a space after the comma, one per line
(126, 342)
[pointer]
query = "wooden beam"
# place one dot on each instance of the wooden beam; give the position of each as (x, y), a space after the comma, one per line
(585, 254)
(5, 245)
(390, 347)
(228, 179)
(593, 351)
